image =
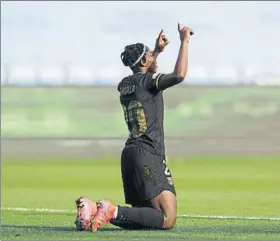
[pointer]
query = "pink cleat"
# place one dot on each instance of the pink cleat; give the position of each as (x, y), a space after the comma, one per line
(86, 209)
(105, 212)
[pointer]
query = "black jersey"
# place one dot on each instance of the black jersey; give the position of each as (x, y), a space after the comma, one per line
(143, 108)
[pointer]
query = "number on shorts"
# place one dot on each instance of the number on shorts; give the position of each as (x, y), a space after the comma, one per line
(167, 173)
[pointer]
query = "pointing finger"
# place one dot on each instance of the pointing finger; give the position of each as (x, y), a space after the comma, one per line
(179, 27)
(161, 32)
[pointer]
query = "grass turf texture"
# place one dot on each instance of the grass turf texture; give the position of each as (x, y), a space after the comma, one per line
(232, 186)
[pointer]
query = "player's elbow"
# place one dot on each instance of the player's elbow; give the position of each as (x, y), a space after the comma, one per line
(180, 77)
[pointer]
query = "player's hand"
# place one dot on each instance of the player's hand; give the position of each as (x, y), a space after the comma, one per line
(185, 33)
(161, 42)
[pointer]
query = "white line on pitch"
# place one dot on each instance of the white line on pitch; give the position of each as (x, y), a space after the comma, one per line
(37, 210)
(229, 217)
(47, 210)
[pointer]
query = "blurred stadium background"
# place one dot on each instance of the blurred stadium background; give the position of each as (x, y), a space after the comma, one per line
(59, 71)
(66, 120)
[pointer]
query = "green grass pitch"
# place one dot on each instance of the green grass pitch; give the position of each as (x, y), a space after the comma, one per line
(227, 186)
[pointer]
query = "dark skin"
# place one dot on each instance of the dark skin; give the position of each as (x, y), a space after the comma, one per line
(149, 63)
(161, 42)
(166, 201)
(178, 75)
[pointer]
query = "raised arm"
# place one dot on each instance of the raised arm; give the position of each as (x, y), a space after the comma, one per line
(161, 42)
(164, 81)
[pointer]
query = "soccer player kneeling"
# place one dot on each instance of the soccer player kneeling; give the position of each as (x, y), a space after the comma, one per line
(147, 180)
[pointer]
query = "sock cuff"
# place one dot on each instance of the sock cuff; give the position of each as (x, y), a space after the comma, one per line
(121, 213)
(148, 217)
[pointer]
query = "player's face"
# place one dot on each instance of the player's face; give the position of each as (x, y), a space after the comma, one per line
(150, 60)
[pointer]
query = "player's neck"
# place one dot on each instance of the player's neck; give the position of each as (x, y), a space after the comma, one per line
(141, 70)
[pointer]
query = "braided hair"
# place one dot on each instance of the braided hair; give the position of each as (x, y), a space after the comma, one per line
(132, 56)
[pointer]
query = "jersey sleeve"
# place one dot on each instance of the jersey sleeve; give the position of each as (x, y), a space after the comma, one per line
(151, 81)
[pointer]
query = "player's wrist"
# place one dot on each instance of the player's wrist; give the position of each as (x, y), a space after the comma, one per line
(157, 50)
(185, 41)
(156, 53)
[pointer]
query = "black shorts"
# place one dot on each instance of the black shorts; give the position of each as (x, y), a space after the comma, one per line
(145, 175)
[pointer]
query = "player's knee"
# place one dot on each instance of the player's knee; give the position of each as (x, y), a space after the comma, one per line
(167, 204)
(169, 222)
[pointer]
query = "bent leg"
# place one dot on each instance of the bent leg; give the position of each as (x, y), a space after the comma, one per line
(166, 203)
(138, 218)
(161, 216)
(148, 187)
(125, 224)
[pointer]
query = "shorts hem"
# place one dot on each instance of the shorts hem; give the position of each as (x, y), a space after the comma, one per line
(151, 196)
(159, 192)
